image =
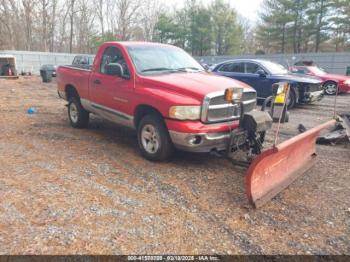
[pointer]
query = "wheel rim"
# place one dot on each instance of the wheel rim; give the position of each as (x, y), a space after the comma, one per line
(73, 112)
(331, 89)
(150, 139)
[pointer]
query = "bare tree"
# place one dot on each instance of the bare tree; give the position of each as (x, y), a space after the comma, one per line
(28, 9)
(149, 14)
(127, 11)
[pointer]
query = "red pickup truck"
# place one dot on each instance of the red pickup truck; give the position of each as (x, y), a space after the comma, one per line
(160, 91)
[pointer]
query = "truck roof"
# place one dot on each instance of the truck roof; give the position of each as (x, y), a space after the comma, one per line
(138, 43)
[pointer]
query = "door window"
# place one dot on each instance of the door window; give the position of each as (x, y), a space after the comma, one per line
(232, 68)
(252, 68)
(113, 55)
(226, 68)
(238, 68)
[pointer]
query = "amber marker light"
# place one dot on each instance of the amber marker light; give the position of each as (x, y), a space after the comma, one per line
(234, 94)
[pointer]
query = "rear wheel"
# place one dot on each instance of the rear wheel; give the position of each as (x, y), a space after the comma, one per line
(154, 140)
(330, 88)
(78, 116)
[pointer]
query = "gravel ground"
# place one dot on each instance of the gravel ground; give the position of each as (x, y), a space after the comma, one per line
(68, 191)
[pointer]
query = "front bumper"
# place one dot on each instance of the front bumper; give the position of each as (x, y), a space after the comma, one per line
(201, 138)
(310, 97)
(200, 143)
(194, 136)
(343, 88)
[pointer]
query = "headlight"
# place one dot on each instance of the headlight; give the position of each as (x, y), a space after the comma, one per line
(347, 82)
(185, 112)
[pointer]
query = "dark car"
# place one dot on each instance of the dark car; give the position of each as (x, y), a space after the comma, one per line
(83, 61)
(47, 72)
(262, 74)
(50, 68)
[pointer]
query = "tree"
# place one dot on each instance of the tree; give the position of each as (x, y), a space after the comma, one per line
(227, 33)
(318, 15)
(309, 25)
(201, 33)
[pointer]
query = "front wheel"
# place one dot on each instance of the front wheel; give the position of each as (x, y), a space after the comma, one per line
(330, 88)
(78, 116)
(154, 140)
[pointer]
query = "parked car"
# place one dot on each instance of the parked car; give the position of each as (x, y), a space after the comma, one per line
(51, 68)
(83, 61)
(262, 74)
(163, 93)
(331, 81)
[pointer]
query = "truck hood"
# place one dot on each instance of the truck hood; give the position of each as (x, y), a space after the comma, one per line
(195, 85)
(299, 78)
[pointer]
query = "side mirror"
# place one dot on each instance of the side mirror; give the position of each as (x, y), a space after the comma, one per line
(115, 69)
(261, 73)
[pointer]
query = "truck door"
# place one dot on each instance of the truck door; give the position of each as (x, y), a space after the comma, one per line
(110, 94)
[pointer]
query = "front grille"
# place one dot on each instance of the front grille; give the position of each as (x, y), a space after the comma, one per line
(249, 101)
(314, 87)
(216, 109)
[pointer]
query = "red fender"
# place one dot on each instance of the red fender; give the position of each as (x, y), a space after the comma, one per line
(276, 168)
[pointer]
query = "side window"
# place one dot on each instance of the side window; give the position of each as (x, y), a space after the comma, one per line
(113, 55)
(226, 68)
(252, 68)
(76, 60)
(238, 68)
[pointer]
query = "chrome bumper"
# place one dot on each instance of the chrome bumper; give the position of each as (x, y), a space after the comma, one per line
(200, 143)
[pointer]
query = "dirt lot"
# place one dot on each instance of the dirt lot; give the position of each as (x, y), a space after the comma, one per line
(68, 191)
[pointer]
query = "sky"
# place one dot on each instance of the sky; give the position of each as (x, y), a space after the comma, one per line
(246, 8)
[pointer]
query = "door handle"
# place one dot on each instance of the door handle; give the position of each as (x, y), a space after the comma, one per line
(97, 82)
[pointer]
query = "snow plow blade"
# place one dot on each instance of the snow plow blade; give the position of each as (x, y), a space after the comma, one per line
(276, 168)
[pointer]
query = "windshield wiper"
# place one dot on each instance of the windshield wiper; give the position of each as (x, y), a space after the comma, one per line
(184, 69)
(171, 70)
(158, 69)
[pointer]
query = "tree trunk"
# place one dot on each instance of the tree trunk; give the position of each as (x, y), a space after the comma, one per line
(318, 33)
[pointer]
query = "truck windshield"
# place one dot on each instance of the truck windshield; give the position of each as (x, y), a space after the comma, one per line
(150, 60)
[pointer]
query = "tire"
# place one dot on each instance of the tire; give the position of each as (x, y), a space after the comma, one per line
(44, 76)
(78, 116)
(153, 138)
(330, 88)
(292, 99)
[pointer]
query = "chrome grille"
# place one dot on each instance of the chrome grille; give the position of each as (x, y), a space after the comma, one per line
(216, 109)
(315, 87)
(249, 101)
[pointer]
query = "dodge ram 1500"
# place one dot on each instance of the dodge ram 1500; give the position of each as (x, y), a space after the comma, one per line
(160, 91)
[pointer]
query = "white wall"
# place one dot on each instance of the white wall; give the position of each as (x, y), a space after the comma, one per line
(32, 61)
(332, 62)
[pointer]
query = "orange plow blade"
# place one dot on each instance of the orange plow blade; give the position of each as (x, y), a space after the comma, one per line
(276, 168)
